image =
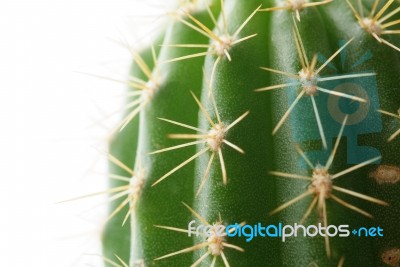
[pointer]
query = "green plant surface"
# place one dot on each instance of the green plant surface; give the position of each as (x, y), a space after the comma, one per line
(242, 126)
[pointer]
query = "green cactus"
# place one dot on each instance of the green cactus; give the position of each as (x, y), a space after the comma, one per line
(261, 112)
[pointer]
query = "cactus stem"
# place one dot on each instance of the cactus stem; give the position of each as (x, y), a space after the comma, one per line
(322, 187)
(374, 25)
(215, 241)
(308, 79)
(397, 116)
(296, 6)
(214, 138)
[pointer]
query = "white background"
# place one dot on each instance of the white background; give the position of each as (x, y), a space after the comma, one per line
(52, 118)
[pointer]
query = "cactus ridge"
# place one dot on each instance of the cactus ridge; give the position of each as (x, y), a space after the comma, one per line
(213, 138)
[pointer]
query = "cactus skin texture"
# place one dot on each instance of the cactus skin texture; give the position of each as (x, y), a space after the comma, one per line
(249, 187)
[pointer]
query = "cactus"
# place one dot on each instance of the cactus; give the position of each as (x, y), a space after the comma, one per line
(261, 112)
